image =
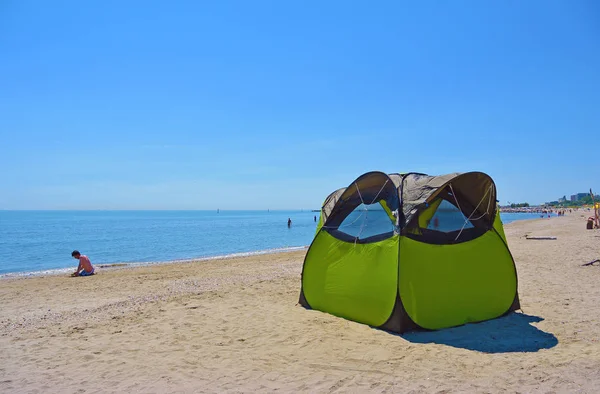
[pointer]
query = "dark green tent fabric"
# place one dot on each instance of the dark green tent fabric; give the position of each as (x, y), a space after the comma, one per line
(474, 190)
(330, 202)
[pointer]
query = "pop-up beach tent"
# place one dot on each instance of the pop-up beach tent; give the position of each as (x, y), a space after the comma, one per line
(408, 251)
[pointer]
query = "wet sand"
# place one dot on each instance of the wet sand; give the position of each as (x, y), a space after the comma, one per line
(235, 326)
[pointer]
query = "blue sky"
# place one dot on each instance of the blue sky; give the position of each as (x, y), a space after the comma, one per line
(274, 104)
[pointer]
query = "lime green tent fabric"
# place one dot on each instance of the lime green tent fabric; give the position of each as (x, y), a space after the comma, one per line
(427, 214)
(450, 285)
(499, 228)
(353, 281)
(416, 276)
(320, 224)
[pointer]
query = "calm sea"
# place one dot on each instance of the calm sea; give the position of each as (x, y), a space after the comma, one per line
(32, 241)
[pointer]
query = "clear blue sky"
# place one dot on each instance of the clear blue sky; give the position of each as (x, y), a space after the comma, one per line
(274, 104)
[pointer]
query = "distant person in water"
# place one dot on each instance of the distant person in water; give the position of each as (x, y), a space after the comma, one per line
(289, 222)
(315, 218)
(85, 267)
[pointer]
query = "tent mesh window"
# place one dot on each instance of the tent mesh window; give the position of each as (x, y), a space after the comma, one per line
(444, 220)
(367, 220)
(448, 218)
(367, 210)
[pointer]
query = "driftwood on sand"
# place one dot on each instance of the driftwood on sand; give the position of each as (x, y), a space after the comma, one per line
(591, 262)
(540, 237)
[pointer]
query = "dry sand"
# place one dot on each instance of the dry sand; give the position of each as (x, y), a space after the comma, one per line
(234, 326)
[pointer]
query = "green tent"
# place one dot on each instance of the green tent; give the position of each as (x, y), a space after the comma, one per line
(408, 251)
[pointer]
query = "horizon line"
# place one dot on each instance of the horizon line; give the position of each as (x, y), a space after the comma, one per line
(147, 210)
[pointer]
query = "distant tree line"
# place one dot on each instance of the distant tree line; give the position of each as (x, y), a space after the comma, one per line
(520, 205)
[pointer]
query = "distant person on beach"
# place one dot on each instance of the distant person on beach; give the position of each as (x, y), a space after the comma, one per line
(289, 222)
(85, 267)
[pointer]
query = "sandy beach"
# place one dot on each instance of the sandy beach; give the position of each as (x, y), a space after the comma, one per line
(234, 326)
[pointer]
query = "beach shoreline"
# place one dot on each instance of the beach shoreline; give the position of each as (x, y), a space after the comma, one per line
(234, 326)
(133, 264)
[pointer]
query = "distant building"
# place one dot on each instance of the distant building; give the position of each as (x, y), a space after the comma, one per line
(562, 199)
(579, 196)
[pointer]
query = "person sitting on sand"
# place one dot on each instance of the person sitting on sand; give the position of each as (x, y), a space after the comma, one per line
(85, 267)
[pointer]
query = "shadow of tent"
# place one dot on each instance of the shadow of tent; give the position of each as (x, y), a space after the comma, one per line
(511, 333)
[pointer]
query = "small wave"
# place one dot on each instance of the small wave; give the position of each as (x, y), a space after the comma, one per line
(55, 271)
(59, 271)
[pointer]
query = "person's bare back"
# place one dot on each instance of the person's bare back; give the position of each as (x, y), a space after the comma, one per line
(85, 267)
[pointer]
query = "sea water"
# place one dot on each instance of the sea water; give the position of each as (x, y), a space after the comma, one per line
(33, 241)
